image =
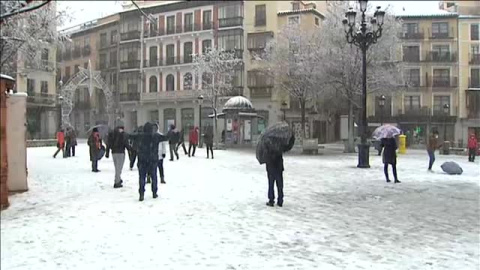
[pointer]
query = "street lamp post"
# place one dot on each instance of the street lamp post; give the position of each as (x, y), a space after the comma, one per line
(363, 38)
(200, 101)
(60, 101)
(284, 107)
(381, 103)
(446, 110)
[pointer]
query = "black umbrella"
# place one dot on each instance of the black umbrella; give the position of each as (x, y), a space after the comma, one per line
(275, 140)
(102, 130)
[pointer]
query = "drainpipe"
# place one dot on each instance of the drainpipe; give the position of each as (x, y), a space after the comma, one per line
(141, 52)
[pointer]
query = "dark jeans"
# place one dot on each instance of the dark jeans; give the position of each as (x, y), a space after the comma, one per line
(173, 150)
(183, 146)
(394, 168)
(149, 168)
(58, 150)
(132, 156)
(209, 149)
(73, 150)
(275, 175)
(471, 154)
(67, 149)
(431, 155)
(190, 149)
(160, 169)
(95, 165)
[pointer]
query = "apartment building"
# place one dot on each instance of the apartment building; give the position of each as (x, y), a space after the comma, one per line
(94, 43)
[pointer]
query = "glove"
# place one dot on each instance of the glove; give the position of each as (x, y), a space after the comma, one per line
(163, 155)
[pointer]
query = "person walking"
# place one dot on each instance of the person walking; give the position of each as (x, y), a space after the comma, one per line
(73, 141)
(133, 141)
(68, 141)
(162, 151)
(192, 141)
(208, 138)
(148, 142)
(431, 147)
(95, 144)
(472, 147)
(181, 141)
(60, 143)
(275, 170)
(173, 139)
(390, 147)
(117, 142)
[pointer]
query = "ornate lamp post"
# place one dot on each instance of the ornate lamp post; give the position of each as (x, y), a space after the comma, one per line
(363, 37)
(381, 104)
(446, 111)
(200, 101)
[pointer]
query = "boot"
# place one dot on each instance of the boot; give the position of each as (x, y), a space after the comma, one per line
(141, 197)
(280, 204)
(388, 180)
(119, 185)
(271, 204)
(397, 181)
(162, 181)
(155, 195)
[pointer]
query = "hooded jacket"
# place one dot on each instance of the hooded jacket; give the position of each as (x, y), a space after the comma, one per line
(117, 142)
(193, 136)
(148, 142)
(472, 142)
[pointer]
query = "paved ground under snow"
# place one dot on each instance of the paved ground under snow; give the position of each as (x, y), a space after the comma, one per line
(212, 214)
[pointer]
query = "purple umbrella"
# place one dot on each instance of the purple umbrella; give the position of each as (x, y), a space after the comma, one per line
(386, 131)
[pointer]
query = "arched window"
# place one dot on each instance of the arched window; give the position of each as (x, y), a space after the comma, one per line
(153, 84)
(206, 80)
(170, 83)
(187, 81)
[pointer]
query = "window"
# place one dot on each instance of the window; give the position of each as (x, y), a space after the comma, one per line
(441, 77)
(153, 84)
(258, 41)
(45, 54)
(170, 54)
(154, 116)
(187, 52)
(294, 20)
(411, 104)
(440, 29)
(44, 88)
(475, 49)
(475, 31)
(30, 87)
(410, 28)
(153, 29)
(77, 68)
(130, 52)
(440, 52)
(295, 5)
(170, 82)
(206, 45)
(188, 22)
(230, 40)
(113, 58)
(86, 41)
(103, 61)
(438, 103)
(113, 37)
(206, 80)
(153, 58)
(260, 15)
(170, 24)
(474, 78)
(317, 21)
(103, 40)
(411, 53)
(258, 79)
(187, 81)
(231, 11)
(67, 74)
(207, 19)
(412, 77)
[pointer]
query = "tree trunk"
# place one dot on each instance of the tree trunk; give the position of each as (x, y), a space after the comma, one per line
(351, 127)
(215, 122)
(302, 107)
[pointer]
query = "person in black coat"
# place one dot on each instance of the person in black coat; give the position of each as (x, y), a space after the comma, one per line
(181, 141)
(173, 139)
(132, 152)
(147, 151)
(117, 142)
(274, 164)
(389, 146)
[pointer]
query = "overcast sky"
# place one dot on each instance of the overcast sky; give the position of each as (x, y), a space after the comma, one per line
(83, 11)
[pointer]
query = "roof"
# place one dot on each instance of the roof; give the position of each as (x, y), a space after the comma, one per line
(417, 14)
(238, 103)
(469, 17)
(300, 11)
(6, 77)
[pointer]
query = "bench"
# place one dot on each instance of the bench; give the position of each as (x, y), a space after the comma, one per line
(310, 146)
(458, 150)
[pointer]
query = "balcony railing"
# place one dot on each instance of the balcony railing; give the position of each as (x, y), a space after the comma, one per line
(152, 63)
(441, 57)
(130, 64)
(230, 22)
(260, 92)
(475, 58)
(129, 96)
(130, 35)
(86, 50)
(473, 82)
(207, 25)
(77, 52)
(444, 82)
(171, 60)
(171, 95)
(44, 65)
(170, 31)
(411, 58)
(188, 28)
(179, 29)
(41, 99)
(447, 35)
(415, 35)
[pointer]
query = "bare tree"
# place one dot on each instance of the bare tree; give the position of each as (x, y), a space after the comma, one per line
(341, 62)
(292, 59)
(216, 68)
(28, 33)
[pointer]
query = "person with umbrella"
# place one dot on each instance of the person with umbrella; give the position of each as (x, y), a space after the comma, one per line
(95, 144)
(276, 140)
(390, 147)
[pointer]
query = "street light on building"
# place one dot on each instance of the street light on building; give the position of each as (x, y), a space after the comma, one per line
(363, 37)
(200, 101)
(381, 104)
(446, 112)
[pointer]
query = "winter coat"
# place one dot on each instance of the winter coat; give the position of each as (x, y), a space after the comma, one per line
(472, 142)
(181, 137)
(148, 142)
(208, 137)
(95, 144)
(162, 148)
(193, 136)
(389, 146)
(275, 162)
(117, 142)
(60, 139)
(432, 144)
(173, 136)
(73, 137)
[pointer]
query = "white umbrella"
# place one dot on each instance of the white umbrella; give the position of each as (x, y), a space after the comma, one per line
(386, 131)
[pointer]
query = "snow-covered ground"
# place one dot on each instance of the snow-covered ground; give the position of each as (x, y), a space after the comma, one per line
(212, 214)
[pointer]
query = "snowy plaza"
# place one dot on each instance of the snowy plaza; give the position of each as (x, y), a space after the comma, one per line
(212, 214)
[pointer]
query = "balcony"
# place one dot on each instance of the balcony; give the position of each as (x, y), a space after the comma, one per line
(444, 82)
(41, 99)
(441, 57)
(237, 53)
(86, 50)
(447, 35)
(170, 31)
(129, 97)
(43, 65)
(473, 104)
(414, 35)
(132, 35)
(77, 52)
(171, 95)
(230, 22)
(206, 26)
(473, 82)
(415, 58)
(179, 29)
(132, 64)
(152, 63)
(260, 92)
(474, 59)
(188, 28)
